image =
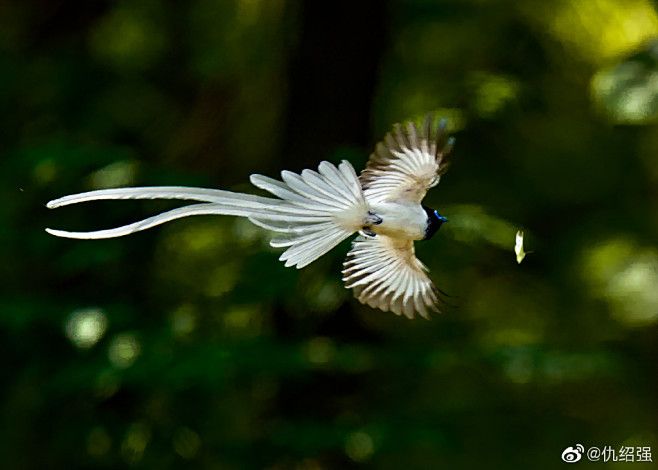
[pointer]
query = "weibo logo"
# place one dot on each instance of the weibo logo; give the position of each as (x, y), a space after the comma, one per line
(573, 454)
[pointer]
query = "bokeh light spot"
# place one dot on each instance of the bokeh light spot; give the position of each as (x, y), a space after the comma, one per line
(187, 443)
(45, 171)
(320, 350)
(597, 30)
(124, 350)
(324, 295)
(127, 39)
(135, 441)
(492, 93)
(628, 92)
(359, 446)
(114, 175)
(241, 318)
(625, 275)
(85, 327)
(183, 320)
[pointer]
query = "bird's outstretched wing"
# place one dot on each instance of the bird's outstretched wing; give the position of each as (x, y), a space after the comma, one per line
(407, 162)
(385, 273)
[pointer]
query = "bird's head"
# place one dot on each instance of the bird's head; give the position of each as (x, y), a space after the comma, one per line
(434, 222)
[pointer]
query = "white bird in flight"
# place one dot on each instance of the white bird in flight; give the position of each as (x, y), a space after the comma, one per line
(315, 211)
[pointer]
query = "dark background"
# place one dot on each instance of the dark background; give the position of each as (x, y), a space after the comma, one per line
(191, 346)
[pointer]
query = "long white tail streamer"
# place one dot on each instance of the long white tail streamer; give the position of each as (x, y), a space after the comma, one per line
(314, 213)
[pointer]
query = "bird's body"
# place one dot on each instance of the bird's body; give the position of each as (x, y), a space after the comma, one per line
(400, 219)
(316, 210)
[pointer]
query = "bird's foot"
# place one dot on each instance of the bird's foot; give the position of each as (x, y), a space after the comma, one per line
(372, 219)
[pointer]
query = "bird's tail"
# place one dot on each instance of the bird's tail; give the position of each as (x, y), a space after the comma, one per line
(314, 212)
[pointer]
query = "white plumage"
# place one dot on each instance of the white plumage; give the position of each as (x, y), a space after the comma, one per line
(315, 211)
(385, 273)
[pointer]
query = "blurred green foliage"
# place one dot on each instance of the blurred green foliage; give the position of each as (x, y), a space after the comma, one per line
(191, 346)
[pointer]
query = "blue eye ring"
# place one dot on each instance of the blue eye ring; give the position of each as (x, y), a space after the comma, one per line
(440, 217)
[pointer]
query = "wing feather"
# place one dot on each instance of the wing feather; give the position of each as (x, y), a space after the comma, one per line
(385, 273)
(407, 163)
